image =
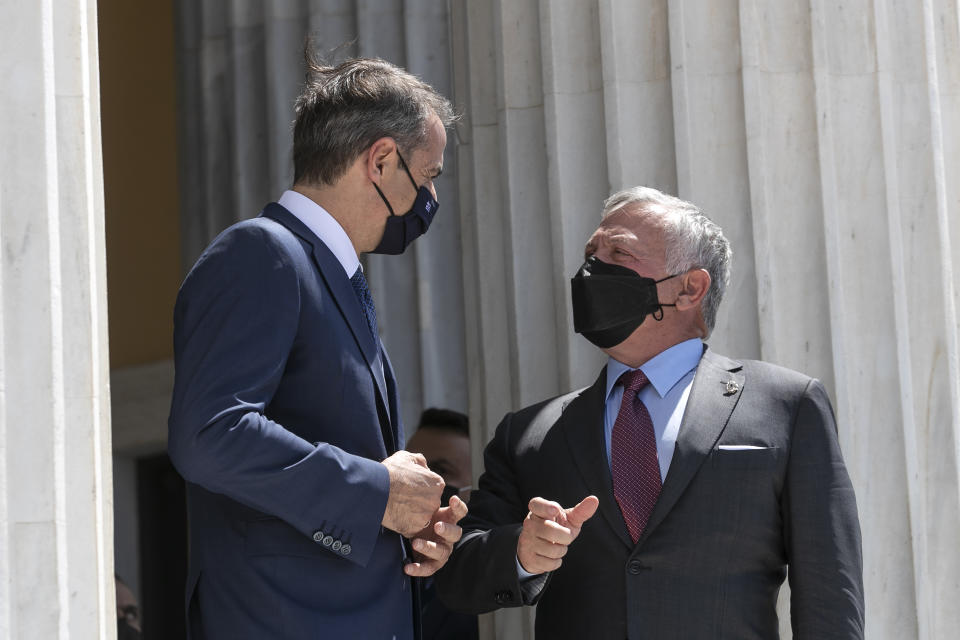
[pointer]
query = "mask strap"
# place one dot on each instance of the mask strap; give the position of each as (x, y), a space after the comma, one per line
(659, 310)
(382, 197)
(409, 175)
(668, 277)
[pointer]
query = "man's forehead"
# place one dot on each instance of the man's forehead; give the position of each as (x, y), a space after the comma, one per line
(632, 222)
(431, 152)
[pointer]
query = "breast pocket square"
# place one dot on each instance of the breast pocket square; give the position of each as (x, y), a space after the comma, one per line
(742, 447)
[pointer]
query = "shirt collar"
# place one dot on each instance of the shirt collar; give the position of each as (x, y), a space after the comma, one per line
(665, 369)
(324, 226)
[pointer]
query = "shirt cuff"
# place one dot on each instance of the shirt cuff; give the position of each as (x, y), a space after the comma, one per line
(523, 574)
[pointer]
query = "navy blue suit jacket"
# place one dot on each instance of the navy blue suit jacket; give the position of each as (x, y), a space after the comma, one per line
(281, 406)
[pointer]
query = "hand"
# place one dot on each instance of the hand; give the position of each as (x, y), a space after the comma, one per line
(432, 546)
(548, 530)
(414, 493)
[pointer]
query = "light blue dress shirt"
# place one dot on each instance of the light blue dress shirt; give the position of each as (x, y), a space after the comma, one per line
(324, 226)
(671, 375)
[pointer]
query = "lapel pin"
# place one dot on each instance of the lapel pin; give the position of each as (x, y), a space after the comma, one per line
(731, 388)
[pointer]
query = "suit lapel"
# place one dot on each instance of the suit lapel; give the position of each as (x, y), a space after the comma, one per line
(343, 294)
(582, 423)
(716, 390)
(393, 403)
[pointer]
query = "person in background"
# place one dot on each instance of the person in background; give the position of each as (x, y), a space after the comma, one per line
(713, 476)
(128, 612)
(443, 438)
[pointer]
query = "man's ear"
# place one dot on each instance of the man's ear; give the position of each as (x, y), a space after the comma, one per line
(694, 285)
(375, 158)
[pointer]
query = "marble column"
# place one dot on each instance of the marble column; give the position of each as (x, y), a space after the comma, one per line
(824, 139)
(56, 547)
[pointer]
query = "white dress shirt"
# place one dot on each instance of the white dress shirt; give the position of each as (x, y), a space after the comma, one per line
(325, 226)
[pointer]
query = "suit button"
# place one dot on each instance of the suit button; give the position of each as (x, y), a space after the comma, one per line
(346, 549)
(337, 545)
(635, 567)
(318, 536)
(327, 541)
(503, 597)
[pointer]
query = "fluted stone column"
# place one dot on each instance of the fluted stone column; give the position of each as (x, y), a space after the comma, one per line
(825, 139)
(56, 548)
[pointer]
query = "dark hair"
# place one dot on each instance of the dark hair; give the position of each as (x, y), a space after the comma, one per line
(445, 420)
(343, 110)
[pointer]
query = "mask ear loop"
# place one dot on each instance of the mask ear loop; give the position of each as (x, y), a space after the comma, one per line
(384, 198)
(403, 163)
(660, 307)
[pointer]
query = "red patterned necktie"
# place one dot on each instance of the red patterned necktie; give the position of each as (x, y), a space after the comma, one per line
(633, 449)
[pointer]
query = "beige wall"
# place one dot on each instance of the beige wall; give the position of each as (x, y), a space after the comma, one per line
(138, 104)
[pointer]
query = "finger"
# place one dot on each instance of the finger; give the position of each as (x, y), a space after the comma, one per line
(449, 532)
(544, 564)
(546, 509)
(458, 509)
(548, 530)
(422, 569)
(452, 514)
(551, 551)
(579, 514)
(431, 550)
(418, 458)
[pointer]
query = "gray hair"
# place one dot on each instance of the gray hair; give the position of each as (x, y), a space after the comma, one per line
(692, 241)
(343, 110)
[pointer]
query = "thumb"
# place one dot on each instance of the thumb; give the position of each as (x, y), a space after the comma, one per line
(579, 514)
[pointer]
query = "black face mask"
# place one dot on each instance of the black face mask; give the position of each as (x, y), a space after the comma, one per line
(610, 302)
(402, 230)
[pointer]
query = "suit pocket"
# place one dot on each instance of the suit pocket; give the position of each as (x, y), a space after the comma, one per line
(746, 459)
(274, 537)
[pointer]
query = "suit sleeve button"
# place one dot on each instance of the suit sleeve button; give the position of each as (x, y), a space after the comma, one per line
(337, 545)
(318, 536)
(327, 541)
(346, 549)
(503, 597)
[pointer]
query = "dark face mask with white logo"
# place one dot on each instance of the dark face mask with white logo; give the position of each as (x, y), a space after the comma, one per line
(402, 230)
(610, 302)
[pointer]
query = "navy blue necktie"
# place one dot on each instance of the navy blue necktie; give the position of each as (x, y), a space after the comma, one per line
(366, 300)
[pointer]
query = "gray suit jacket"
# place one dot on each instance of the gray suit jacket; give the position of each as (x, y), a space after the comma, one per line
(716, 549)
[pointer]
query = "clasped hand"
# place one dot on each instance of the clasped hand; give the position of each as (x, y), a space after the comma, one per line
(414, 511)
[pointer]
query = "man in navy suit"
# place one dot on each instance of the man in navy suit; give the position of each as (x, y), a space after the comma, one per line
(307, 519)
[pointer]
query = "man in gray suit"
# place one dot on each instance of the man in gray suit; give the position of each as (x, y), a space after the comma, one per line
(712, 476)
